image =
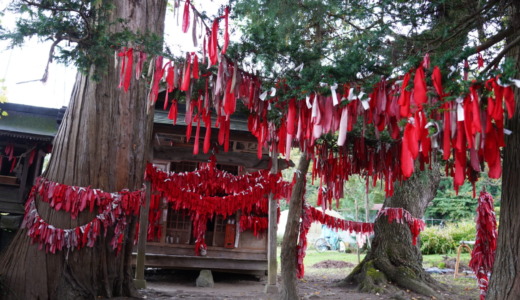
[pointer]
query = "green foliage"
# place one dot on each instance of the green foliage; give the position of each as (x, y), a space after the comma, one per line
(444, 240)
(3, 98)
(355, 189)
(449, 206)
(350, 41)
(81, 31)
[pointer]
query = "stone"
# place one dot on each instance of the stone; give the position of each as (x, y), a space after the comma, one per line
(140, 283)
(205, 279)
(271, 289)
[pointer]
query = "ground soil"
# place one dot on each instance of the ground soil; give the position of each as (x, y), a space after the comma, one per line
(320, 282)
(329, 264)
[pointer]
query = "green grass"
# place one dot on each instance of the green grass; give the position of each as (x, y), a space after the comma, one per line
(433, 260)
(314, 257)
(462, 284)
(465, 285)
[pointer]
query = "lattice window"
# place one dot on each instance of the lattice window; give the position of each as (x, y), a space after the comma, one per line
(228, 168)
(220, 224)
(183, 166)
(178, 227)
(178, 219)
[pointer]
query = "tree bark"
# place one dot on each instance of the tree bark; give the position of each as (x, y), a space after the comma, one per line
(289, 255)
(102, 143)
(505, 279)
(392, 256)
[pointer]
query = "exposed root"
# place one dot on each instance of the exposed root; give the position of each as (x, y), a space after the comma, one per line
(375, 276)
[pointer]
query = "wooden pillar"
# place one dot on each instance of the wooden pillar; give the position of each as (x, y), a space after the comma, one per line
(23, 179)
(272, 268)
(139, 280)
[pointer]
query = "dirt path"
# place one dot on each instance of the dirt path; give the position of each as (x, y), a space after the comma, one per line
(320, 283)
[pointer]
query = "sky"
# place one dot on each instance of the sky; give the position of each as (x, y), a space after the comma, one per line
(28, 63)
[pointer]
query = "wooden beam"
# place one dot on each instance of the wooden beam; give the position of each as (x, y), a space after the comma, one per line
(23, 179)
(236, 135)
(248, 160)
(139, 280)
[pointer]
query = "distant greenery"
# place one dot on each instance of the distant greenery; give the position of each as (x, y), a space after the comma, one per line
(437, 260)
(354, 189)
(444, 240)
(449, 206)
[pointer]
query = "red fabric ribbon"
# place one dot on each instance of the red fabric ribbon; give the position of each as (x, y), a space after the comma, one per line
(226, 32)
(483, 254)
(420, 88)
(126, 68)
(158, 74)
(186, 75)
(186, 16)
(213, 44)
(114, 208)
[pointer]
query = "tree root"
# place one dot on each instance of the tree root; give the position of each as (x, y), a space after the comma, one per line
(375, 276)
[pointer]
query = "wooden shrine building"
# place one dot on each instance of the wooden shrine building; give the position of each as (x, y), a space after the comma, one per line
(228, 248)
(26, 135)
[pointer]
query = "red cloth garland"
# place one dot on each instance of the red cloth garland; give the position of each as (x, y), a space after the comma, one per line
(472, 136)
(209, 191)
(483, 254)
(311, 214)
(113, 211)
(74, 199)
(401, 215)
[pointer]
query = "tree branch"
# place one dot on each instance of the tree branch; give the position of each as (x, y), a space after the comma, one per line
(495, 39)
(49, 60)
(467, 21)
(497, 59)
(54, 8)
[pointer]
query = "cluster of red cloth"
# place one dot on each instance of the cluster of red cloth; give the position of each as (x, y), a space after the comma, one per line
(229, 84)
(208, 191)
(113, 210)
(311, 214)
(402, 216)
(465, 134)
(74, 199)
(483, 254)
(9, 154)
(255, 223)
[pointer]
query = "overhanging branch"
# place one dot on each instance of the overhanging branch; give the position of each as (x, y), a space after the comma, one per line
(49, 60)
(500, 55)
(495, 39)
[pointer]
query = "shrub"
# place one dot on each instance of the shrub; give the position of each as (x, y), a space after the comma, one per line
(437, 240)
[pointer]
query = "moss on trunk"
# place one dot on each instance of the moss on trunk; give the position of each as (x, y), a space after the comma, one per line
(392, 257)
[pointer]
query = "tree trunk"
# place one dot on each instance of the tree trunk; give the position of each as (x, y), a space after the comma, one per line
(505, 279)
(289, 255)
(102, 143)
(392, 256)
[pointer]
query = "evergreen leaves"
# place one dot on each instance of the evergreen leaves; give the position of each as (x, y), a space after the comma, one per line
(79, 31)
